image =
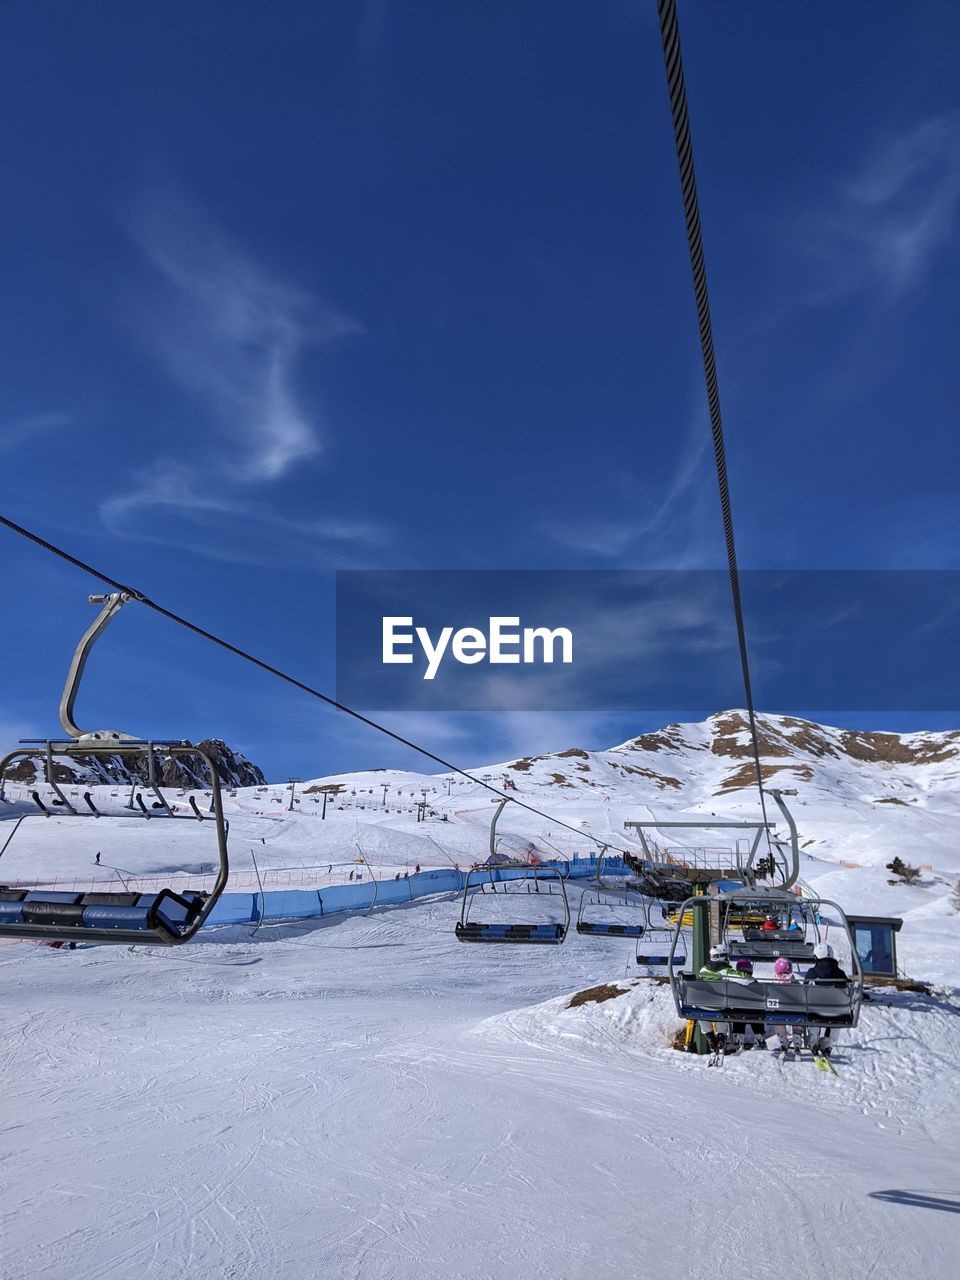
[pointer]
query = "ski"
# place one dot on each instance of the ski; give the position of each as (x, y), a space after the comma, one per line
(717, 1043)
(825, 1065)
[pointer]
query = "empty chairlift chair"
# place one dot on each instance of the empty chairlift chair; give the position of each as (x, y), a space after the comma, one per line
(168, 917)
(653, 948)
(609, 909)
(535, 894)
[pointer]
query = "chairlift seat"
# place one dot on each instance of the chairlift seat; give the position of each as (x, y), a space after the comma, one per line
(772, 935)
(659, 961)
(731, 1000)
(11, 905)
(545, 880)
(611, 907)
(473, 931)
(764, 949)
(605, 929)
(140, 917)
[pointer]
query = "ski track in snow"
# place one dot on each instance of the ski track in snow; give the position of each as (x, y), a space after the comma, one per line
(374, 1100)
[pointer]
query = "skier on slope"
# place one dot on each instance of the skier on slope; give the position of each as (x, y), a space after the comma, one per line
(783, 972)
(826, 971)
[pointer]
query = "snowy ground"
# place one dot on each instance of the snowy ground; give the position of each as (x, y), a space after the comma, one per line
(373, 1099)
(366, 1097)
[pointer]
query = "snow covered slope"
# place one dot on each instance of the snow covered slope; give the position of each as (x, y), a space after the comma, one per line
(365, 1097)
(370, 1099)
(862, 799)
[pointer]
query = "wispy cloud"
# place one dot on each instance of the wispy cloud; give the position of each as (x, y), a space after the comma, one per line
(893, 217)
(667, 526)
(20, 431)
(475, 741)
(229, 333)
(233, 529)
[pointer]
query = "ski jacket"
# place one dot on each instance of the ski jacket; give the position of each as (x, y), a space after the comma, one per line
(825, 970)
(713, 972)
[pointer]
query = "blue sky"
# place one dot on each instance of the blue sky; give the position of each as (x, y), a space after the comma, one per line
(295, 288)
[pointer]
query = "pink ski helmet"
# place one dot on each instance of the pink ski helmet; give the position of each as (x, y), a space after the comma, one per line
(744, 965)
(782, 966)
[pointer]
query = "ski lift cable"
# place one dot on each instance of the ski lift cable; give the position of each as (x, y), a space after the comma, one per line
(673, 64)
(134, 594)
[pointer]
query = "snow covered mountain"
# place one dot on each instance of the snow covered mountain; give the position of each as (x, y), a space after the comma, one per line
(714, 759)
(862, 797)
(861, 800)
(233, 769)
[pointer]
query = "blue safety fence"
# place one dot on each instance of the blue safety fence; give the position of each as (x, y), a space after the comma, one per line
(311, 904)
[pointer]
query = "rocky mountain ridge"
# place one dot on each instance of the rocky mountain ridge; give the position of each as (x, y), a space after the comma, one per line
(233, 769)
(717, 755)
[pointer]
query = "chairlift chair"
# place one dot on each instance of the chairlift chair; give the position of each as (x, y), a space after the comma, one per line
(604, 905)
(763, 1000)
(653, 948)
(166, 918)
(535, 883)
(759, 944)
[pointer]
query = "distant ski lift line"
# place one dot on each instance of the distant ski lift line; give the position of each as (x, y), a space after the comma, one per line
(134, 594)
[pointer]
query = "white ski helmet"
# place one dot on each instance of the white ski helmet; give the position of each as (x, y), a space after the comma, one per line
(719, 953)
(823, 951)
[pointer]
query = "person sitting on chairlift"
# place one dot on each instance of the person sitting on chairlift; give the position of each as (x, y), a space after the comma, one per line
(783, 972)
(744, 969)
(718, 966)
(769, 925)
(827, 971)
(825, 968)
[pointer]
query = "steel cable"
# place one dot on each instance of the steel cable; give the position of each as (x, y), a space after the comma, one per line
(288, 679)
(673, 63)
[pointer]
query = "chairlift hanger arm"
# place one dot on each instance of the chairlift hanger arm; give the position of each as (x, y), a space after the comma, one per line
(793, 870)
(493, 825)
(112, 604)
